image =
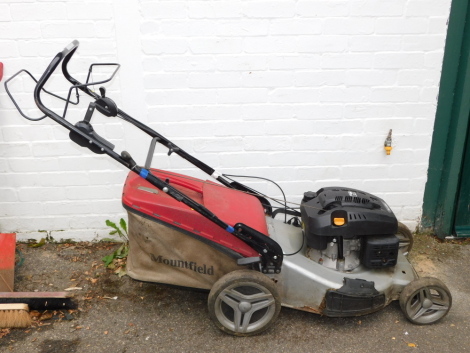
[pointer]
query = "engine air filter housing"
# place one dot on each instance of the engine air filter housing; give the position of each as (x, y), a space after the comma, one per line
(380, 251)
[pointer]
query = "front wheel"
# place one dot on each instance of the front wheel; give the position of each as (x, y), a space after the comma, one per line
(244, 303)
(425, 301)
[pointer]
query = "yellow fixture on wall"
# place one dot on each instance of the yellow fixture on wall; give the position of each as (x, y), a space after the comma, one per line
(388, 143)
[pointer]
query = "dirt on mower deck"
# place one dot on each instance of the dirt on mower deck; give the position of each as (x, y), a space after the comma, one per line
(122, 315)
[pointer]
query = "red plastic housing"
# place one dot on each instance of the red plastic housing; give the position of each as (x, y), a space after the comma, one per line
(231, 206)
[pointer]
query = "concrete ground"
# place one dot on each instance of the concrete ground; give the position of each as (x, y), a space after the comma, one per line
(121, 315)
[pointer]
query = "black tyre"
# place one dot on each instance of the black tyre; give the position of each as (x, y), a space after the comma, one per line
(244, 303)
(405, 238)
(425, 301)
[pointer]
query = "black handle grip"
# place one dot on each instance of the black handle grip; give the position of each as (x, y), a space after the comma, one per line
(68, 51)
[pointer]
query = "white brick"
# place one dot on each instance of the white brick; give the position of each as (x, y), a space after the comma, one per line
(346, 61)
(214, 9)
(216, 45)
(41, 194)
(214, 80)
(244, 95)
(323, 8)
(319, 111)
(424, 42)
(243, 63)
(194, 112)
(219, 144)
(399, 60)
(416, 78)
(182, 63)
(9, 49)
(294, 61)
(173, 80)
(245, 28)
(63, 178)
(267, 79)
(294, 95)
(296, 26)
(378, 125)
(27, 133)
(438, 25)
(322, 44)
(20, 30)
(181, 97)
(251, 159)
(64, 29)
(268, 143)
(377, 8)
(432, 60)
(164, 46)
(89, 192)
(396, 94)
(279, 44)
(248, 128)
(373, 43)
(38, 11)
(319, 78)
(267, 111)
(89, 11)
(39, 48)
(370, 110)
(371, 78)
(4, 12)
(104, 29)
(8, 209)
(153, 27)
(352, 26)
(429, 94)
(427, 8)
(269, 8)
(401, 26)
(15, 149)
(164, 9)
(8, 195)
(315, 143)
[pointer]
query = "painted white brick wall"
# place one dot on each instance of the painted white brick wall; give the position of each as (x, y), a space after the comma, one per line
(299, 91)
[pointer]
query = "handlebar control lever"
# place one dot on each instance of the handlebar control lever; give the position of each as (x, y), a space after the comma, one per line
(85, 127)
(128, 159)
(106, 106)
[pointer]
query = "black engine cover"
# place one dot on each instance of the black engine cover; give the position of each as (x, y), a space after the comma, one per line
(364, 215)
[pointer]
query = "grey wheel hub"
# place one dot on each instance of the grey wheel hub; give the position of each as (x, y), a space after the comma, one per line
(245, 308)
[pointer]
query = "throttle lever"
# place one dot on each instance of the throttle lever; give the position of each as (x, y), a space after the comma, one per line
(128, 159)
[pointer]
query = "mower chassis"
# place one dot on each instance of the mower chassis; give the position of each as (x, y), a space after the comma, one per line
(304, 284)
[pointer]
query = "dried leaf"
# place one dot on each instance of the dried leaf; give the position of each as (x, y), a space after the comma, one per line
(45, 316)
(73, 288)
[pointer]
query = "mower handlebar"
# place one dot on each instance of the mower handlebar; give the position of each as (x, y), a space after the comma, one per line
(68, 51)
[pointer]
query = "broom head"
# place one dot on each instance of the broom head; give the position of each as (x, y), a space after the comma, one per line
(14, 316)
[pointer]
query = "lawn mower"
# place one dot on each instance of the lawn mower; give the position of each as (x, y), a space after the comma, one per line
(340, 252)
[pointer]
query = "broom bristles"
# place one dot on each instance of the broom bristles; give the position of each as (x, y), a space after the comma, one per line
(14, 316)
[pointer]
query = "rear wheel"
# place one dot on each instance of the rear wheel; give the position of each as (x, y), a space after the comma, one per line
(244, 303)
(405, 238)
(425, 301)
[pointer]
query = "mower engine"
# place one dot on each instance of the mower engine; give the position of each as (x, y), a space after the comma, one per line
(346, 227)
